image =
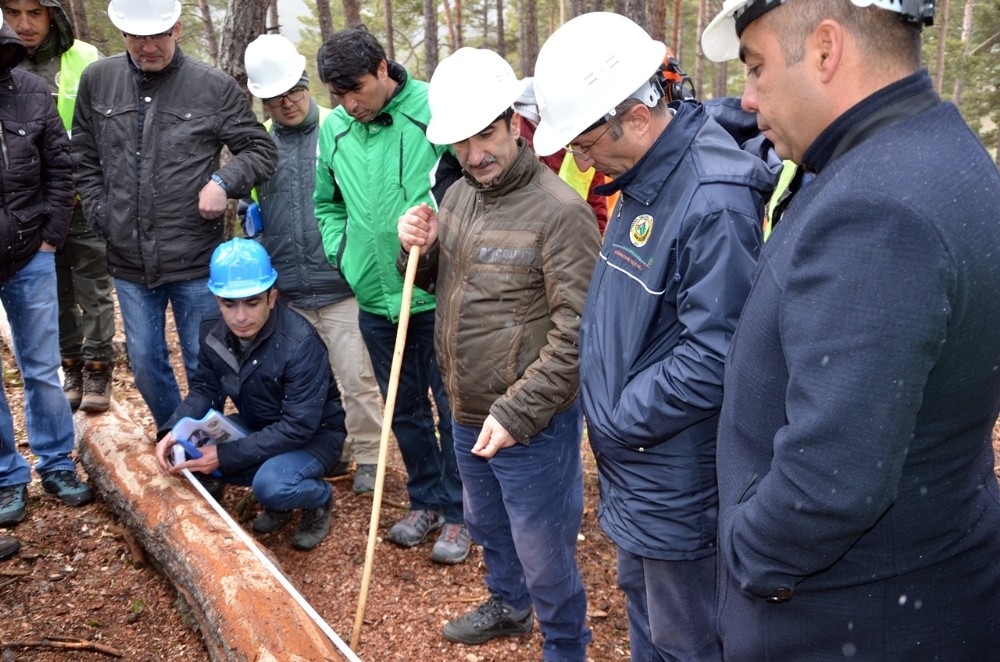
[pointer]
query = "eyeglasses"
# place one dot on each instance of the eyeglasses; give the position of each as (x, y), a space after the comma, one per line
(153, 37)
(583, 151)
(293, 95)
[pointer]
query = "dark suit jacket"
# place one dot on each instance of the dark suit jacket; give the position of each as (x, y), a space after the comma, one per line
(860, 516)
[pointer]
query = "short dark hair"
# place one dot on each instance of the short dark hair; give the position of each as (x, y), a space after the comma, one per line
(881, 34)
(348, 55)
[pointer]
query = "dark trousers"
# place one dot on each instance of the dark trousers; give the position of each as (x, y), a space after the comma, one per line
(86, 304)
(671, 608)
(524, 507)
(433, 482)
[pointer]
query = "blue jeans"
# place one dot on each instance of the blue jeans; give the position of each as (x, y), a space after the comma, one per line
(524, 507)
(432, 481)
(29, 298)
(144, 314)
(671, 608)
(285, 482)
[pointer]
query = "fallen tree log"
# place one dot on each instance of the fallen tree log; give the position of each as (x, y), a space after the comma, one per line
(241, 609)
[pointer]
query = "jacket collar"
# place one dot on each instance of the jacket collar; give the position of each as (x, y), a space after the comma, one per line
(151, 76)
(646, 178)
(892, 104)
(308, 124)
(514, 177)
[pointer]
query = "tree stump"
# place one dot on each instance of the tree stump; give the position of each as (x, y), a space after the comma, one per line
(242, 611)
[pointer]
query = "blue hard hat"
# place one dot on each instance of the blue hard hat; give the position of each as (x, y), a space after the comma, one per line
(240, 268)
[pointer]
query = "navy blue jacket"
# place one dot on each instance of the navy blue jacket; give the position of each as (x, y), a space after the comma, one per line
(283, 389)
(664, 299)
(855, 464)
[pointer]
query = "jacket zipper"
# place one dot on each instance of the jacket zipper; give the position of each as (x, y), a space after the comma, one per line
(3, 147)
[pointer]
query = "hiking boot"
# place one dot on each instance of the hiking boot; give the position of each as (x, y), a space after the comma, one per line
(314, 526)
(96, 386)
(73, 381)
(364, 479)
(67, 487)
(270, 521)
(493, 618)
(412, 529)
(13, 503)
(8, 547)
(452, 545)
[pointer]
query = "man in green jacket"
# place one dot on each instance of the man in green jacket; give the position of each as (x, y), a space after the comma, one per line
(374, 163)
(86, 306)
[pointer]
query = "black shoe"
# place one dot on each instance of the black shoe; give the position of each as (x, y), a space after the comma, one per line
(314, 526)
(73, 381)
(340, 469)
(67, 487)
(493, 618)
(13, 503)
(8, 547)
(270, 521)
(214, 486)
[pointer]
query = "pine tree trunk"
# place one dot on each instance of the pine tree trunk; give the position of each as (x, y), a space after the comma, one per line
(390, 48)
(209, 27)
(78, 14)
(352, 13)
(430, 37)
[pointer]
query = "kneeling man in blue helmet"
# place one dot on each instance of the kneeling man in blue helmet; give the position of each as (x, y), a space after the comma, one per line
(273, 366)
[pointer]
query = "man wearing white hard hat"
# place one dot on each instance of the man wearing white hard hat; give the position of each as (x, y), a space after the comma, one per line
(148, 130)
(509, 254)
(675, 268)
(859, 510)
(308, 283)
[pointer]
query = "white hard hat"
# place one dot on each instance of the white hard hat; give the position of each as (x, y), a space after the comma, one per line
(721, 39)
(587, 67)
(273, 65)
(144, 17)
(468, 91)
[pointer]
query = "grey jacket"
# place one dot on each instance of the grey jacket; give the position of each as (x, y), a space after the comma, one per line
(291, 234)
(144, 144)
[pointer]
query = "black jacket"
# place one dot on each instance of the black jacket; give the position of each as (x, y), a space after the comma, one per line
(282, 387)
(144, 144)
(36, 184)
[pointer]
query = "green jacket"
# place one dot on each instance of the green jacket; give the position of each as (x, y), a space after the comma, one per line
(367, 175)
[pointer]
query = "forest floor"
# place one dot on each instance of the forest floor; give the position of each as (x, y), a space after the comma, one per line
(74, 592)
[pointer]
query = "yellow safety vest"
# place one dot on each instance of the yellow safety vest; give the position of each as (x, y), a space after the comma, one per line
(571, 174)
(71, 66)
(788, 171)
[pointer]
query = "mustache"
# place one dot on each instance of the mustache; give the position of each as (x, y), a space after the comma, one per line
(487, 161)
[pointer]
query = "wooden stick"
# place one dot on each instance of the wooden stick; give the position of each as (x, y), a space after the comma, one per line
(383, 447)
(65, 643)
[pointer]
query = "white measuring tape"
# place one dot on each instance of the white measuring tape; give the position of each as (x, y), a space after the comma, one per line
(252, 546)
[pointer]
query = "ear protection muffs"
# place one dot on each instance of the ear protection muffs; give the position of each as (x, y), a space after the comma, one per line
(677, 85)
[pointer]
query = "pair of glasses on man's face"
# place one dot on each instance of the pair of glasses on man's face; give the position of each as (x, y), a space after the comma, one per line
(293, 95)
(583, 151)
(152, 37)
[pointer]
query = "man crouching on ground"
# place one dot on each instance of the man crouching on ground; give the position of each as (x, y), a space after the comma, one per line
(273, 366)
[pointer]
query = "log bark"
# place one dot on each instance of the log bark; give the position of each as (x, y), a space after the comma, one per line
(188, 541)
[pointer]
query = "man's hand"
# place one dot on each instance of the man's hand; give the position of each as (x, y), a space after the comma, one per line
(206, 464)
(418, 227)
(163, 452)
(492, 438)
(211, 200)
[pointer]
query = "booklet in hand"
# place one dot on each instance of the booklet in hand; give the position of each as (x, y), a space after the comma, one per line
(212, 428)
